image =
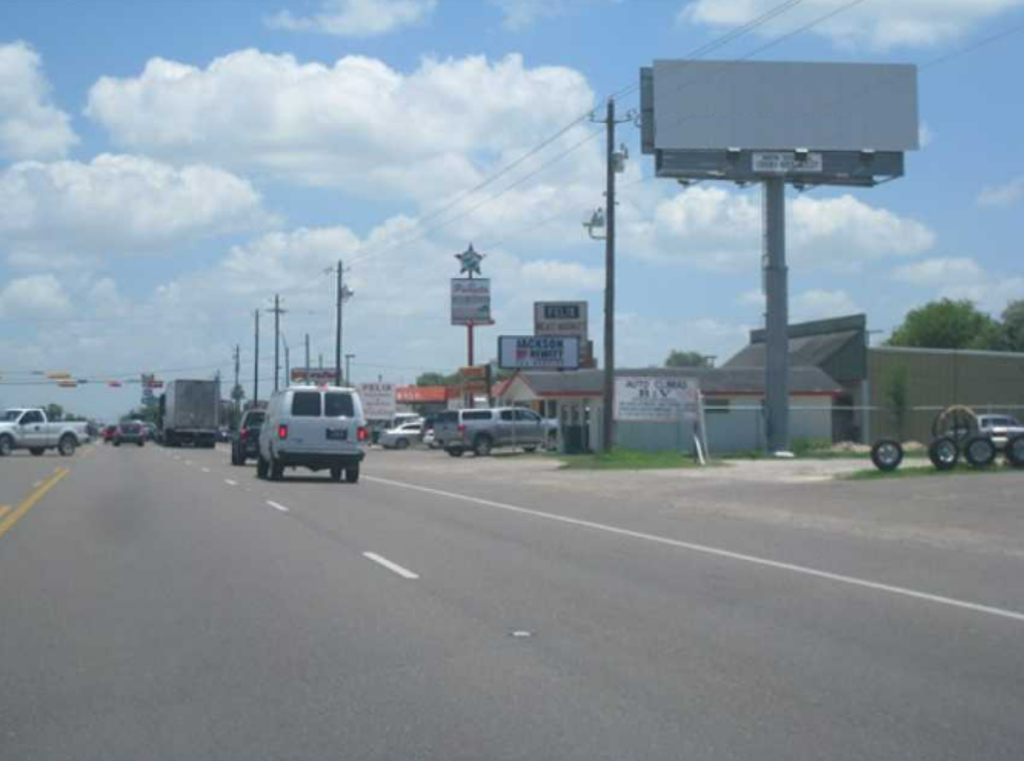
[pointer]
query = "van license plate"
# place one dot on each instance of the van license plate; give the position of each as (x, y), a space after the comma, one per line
(337, 434)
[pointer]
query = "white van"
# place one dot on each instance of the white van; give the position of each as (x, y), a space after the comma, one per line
(320, 428)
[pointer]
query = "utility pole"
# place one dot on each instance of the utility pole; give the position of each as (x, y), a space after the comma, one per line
(307, 357)
(277, 311)
(348, 369)
(256, 363)
(321, 360)
(234, 391)
(287, 362)
(343, 293)
(777, 315)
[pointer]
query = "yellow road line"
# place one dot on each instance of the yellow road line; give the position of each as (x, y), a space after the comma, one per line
(8, 522)
(3, 510)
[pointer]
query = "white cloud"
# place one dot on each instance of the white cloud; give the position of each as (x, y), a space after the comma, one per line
(1002, 196)
(36, 296)
(522, 14)
(962, 278)
(712, 227)
(30, 125)
(878, 25)
(554, 273)
(356, 18)
(925, 135)
(818, 304)
(359, 124)
(60, 212)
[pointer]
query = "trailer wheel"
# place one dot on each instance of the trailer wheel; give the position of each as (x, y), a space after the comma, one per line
(887, 454)
(980, 451)
(944, 453)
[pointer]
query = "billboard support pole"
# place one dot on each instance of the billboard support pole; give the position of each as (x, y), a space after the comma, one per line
(608, 427)
(776, 315)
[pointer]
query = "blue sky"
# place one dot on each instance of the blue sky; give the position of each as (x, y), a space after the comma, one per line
(165, 168)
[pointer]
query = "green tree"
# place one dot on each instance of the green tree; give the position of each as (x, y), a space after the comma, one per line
(677, 358)
(947, 324)
(54, 412)
(438, 379)
(1011, 329)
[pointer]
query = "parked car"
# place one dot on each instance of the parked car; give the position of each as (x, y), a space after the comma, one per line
(483, 430)
(29, 429)
(319, 428)
(246, 443)
(1000, 428)
(402, 437)
(130, 433)
(108, 433)
(430, 438)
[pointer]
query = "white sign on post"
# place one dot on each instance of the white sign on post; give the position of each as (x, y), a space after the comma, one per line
(379, 400)
(657, 399)
(471, 301)
(539, 352)
(786, 162)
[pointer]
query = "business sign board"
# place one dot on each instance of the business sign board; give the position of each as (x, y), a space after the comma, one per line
(539, 352)
(657, 399)
(471, 301)
(380, 401)
(318, 376)
(560, 318)
(774, 105)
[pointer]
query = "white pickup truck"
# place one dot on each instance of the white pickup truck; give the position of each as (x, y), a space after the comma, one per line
(29, 429)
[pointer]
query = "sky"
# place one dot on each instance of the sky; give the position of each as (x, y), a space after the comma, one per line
(167, 167)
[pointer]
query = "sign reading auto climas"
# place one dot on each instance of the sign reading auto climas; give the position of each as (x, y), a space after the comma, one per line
(379, 400)
(539, 352)
(471, 301)
(657, 399)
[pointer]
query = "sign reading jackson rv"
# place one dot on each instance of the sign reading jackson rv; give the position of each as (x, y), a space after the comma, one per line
(539, 352)
(379, 400)
(471, 301)
(657, 399)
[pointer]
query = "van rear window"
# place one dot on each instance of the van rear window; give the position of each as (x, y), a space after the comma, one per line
(306, 404)
(338, 405)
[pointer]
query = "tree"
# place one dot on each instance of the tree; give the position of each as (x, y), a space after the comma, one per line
(947, 324)
(1011, 330)
(438, 379)
(677, 358)
(54, 412)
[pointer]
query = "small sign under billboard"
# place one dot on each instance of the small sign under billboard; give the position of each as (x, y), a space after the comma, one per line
(657, 399)
(786, 162)
(319, 376)
(471, 301)
(379, 400)
(539, 352)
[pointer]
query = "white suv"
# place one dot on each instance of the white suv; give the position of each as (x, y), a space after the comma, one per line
(320, 428)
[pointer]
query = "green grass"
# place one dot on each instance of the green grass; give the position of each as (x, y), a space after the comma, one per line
(874, 474)
(627, 459)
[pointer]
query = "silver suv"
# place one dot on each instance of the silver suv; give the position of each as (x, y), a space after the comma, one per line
(482, 431)
(320, 428)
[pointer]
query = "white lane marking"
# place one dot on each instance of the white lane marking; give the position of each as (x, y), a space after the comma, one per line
(229, 482)
(276, 506)
(206, 470)
(405, 573)
(188, 462)
(705, 549)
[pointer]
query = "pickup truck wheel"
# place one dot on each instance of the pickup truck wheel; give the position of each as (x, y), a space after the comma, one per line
(1014, 450)
(482, 446)
(980, 451)
(67, 445)
(402, 444)
(336, 471)
(37, 451)
(454, 451)
(6, 445)
(352, 474)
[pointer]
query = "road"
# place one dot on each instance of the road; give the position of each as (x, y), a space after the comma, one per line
(161, 604)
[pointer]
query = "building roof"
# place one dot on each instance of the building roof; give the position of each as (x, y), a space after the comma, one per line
(804, 351)
(718, 381)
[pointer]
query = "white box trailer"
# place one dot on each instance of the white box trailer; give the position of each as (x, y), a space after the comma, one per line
(190, 413)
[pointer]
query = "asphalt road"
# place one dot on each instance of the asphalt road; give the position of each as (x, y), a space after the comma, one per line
(160, 604)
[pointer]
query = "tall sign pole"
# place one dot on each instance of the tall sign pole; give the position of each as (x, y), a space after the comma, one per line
(337, 333)
(469, 262)
(776, 315)
(256, 363)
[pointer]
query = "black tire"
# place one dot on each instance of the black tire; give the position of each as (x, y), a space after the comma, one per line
(402, 444)
(455, 451)
(67, 445)
(944, 453)
(117, 443)
(352, 474)
(336, 471)
(6, 445)
(1015, 450)
(482, 446)
(235, 458)
(142, 443)
(887, 454)
(530, 449)
(276, 470)
(261, 467)
(980, 451)
(37, 451)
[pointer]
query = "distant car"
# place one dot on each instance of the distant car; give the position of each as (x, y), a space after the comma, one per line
(108, 433)
(483, 430)
(999, 428)
(246, 443)
(402, 437)
(430, 438)
(130, 433)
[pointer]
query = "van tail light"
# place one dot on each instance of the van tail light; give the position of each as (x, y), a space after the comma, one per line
(363, 434)
(282, 432)
(462, 429)
(243, 434)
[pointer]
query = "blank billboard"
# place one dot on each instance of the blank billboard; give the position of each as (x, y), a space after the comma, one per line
(776, 105)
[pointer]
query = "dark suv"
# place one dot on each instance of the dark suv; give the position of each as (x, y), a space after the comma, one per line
(129, 433)
(246, 441)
